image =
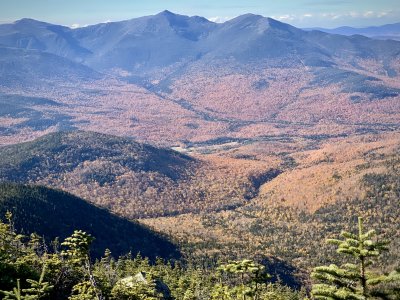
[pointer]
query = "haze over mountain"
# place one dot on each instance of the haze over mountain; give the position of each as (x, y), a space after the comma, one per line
(167, 40)
(180, 79)
(383, 32)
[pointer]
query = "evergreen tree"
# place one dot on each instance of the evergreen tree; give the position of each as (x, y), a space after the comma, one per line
(38, 289)
(137, 287)
(250, 274)
(352, 281)
(77, 252)
(78, 245)
(389, 288)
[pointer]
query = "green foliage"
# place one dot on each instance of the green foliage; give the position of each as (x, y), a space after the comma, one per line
(16, 259)
(78, 246)
(249, 275)
(37, 290)
(351, 280)
(136, 288)
(15, 293)
(70, 274)
(83, 291)
(221, 292)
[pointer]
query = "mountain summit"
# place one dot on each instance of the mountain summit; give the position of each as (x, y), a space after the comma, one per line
(213, 79)
(146, 44)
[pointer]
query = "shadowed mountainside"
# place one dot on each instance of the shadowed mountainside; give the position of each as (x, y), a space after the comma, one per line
(52, 213)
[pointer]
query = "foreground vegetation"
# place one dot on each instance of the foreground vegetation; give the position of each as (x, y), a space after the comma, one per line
(29, 269)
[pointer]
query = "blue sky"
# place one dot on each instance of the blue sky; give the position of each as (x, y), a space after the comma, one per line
(301, 13)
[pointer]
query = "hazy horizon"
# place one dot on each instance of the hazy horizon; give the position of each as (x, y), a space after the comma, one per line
(303, 14)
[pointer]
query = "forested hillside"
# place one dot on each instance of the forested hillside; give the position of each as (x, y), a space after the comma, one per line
(323, 190)
(241, 202)
(55, 214)
(170, 79)
(234, 149)
(132, 179)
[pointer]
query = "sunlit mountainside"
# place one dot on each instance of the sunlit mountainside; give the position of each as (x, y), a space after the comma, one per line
(246, 78)
(225, 148)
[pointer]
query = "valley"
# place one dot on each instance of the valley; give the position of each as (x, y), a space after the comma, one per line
(197, 142)
(260, 198)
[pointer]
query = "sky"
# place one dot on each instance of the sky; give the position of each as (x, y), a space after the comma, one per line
(300, 13)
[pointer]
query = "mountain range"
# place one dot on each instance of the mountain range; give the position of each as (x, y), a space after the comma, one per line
(384, 32)
(182, 80)
(168, 40)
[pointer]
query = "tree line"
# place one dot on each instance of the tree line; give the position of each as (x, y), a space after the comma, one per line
(30, 269)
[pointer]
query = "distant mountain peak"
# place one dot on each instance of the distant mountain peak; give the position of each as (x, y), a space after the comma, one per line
(247, 17)
(25, 20)
(31, 24)
(29, 21)
(173, 16)
(280, 25)
(167, 13)
(170, 15)
(257, 24)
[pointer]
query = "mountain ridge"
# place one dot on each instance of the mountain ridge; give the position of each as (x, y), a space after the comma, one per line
(387, 31)
(56, 214)
(133, 45)
(251, 74)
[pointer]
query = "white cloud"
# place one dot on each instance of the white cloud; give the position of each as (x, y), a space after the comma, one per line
(369, 14)
(74, 26)
(285, 18)
(382, 14)
(219, 19)
(353, 14)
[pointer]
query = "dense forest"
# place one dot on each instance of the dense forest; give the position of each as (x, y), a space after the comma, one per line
(30, 270)
(277, 223)
(237, 208)
(131, 179)
(55, 214)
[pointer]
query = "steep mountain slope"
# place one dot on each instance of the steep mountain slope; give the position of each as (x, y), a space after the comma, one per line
(51, 213)
(146, 43)
(30, 34)
(32, 68)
